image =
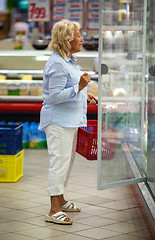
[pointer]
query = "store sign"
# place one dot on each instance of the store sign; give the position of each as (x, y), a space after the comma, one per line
(93, 7)
(68, 9)
(39, 11)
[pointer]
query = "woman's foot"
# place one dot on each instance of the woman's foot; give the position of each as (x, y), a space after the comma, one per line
(70, 207)
(59, 218)
(67, 206)
(56, 207)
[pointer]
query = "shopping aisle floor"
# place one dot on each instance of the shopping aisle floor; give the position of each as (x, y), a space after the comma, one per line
(111, 214)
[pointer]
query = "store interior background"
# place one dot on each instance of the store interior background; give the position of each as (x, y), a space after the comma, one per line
(29, 63)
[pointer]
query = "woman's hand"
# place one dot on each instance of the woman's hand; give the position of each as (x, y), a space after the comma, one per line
(84, 80)
(91, 99)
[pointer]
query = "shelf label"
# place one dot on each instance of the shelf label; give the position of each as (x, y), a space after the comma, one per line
(39, 11)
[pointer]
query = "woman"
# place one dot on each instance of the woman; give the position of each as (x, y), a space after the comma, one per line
(64, 110)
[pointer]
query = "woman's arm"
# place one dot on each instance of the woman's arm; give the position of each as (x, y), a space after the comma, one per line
(57, 84)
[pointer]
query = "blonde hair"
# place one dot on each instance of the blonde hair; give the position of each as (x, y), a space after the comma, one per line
(62, 34)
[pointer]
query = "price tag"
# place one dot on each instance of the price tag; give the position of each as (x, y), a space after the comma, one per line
(39, 11)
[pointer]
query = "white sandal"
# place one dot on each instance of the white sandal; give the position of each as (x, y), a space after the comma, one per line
(58, 217)
(70, 207)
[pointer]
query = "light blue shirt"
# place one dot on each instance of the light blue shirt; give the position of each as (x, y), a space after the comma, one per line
(63, 105)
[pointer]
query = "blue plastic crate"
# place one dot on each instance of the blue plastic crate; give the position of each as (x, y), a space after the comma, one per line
(10, 139)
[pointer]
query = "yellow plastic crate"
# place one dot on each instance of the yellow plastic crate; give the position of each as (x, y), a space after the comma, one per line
(11, 167)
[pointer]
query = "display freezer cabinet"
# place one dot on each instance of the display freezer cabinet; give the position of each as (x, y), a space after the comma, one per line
(126, 92)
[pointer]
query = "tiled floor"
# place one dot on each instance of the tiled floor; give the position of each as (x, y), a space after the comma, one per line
(111, 214)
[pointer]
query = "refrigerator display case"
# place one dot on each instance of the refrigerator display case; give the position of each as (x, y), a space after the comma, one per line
(21, 74)
(126, 95)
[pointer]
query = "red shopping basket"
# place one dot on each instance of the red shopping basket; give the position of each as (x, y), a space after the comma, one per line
(87, 141)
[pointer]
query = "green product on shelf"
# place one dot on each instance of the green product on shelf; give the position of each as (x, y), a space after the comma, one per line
(13, 92)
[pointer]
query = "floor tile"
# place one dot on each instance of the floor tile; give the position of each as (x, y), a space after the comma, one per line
(98, 233)
(115, 195)
(42, 209)
(124, 189)
(96, 221)
(124, 237)
(74, 187)
(4, 209)
(143, 234)
(20, 204)
(74, 228)
(119, 205)
(15, 236)
(123, 227)
(15, 226)
(69, 237)
(134, 212)
(21, 195)
(93, 200)
(41, 233)
(38, 221)
(41, 199)
(78, 215)
(95, 210)
(17, 215)
(73, 195)
(2, 233)
(39, 190)
(3, 220)
(4, 200)
(5, 190)
(138, 221)
(119, 215)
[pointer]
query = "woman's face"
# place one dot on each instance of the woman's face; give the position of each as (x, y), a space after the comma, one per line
(76, 43)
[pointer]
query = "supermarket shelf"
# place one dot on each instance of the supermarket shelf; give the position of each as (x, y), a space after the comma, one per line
(121, 99)
(7, 71)
(21, 99)
(17, 107)
(22, 105)
(40, 99)
(28, 53)
(122, 28)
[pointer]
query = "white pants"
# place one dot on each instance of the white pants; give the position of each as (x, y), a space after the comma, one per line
(61, 143)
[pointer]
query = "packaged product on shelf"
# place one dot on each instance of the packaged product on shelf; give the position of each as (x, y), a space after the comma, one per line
(26, 135)
(3, 88)
(13, 89)
(93, 87)
(41, 139)
(106, 85)
(37, 138)
(134, 41)
(118, 42)
(26, 77)
(20, 40)
(33, 135)
(2, 77)
(109, 14)
(108, 41)
(24, 89)
(36, 89)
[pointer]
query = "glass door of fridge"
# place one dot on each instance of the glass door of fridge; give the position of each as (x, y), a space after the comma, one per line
(122, 126)
(150, 99)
